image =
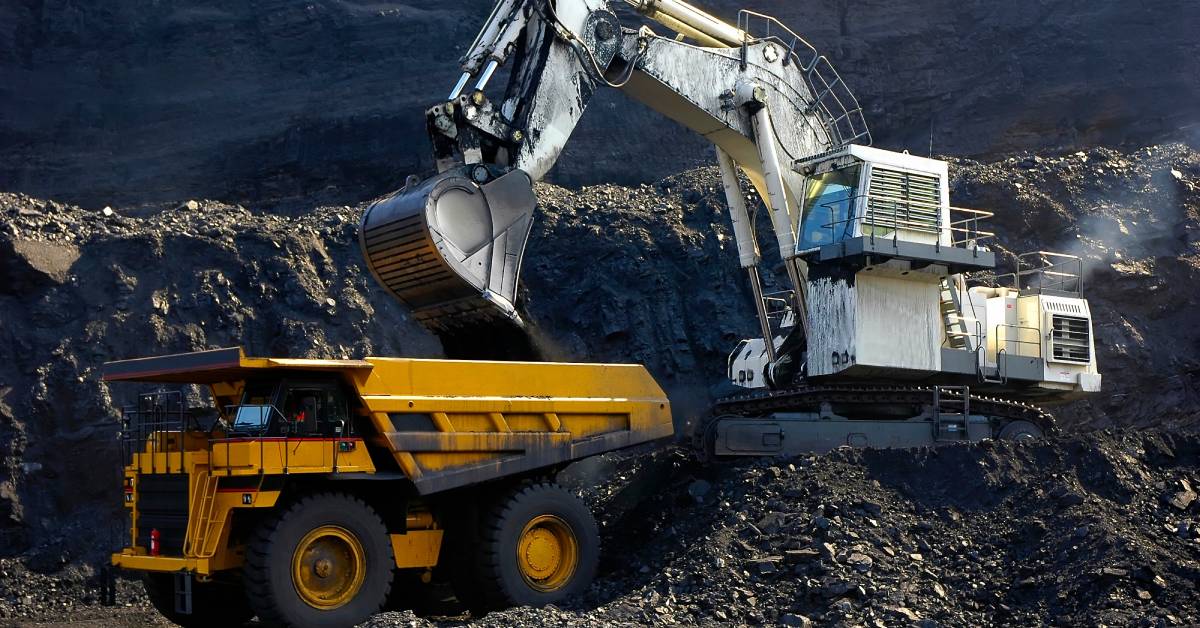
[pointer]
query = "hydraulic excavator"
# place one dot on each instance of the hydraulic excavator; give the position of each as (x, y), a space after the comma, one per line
(897, 329)
(316, 492)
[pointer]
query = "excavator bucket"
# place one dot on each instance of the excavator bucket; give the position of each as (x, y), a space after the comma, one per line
(450, 247)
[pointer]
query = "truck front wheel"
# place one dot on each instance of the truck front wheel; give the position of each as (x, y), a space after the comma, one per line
(539, 545)
(325, 561)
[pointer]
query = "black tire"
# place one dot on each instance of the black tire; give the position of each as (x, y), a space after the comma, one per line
(1021, 431)
(271, 553)
(501, 578)
(214, 604)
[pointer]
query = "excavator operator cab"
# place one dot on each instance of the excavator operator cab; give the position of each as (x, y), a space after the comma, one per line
(893, 276)
(862, 192)
(829, 205)
(294, 408)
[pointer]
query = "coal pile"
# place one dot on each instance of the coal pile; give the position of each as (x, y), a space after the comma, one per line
(1090, 531)
(630, 274)
(1095, 530)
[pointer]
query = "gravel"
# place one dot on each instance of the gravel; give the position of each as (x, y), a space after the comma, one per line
(965, 535)
(647, 274)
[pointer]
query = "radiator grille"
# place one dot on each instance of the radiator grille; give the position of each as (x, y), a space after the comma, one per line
(163, 505)
(904, 200)
(1071, 339)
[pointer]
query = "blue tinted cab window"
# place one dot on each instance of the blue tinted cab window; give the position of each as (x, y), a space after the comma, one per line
(828, 206)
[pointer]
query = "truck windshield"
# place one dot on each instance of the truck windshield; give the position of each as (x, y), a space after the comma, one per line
(828, 208)
(254, 414)
(291, 408)
(252, 419)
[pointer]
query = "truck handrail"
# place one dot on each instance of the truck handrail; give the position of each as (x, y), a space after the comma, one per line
(148, 423)
(231, 411)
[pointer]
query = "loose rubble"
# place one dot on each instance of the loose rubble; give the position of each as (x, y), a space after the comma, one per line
(647, 274)
(965, 535)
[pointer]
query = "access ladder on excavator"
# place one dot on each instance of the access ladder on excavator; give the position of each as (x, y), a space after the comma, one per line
(951, 410)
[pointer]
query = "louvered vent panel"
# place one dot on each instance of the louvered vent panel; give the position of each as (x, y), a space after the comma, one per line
(1071, 339)
(1065, 308)
(904, 200)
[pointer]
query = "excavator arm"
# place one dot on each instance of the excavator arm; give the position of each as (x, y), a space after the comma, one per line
(451, 246)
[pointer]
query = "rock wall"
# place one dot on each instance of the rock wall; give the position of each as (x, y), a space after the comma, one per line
(142, 101)
(1135, 219)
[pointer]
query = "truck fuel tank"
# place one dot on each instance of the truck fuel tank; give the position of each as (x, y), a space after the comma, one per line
(450, 247)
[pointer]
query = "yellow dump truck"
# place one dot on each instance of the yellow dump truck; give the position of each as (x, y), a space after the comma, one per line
(315, 492)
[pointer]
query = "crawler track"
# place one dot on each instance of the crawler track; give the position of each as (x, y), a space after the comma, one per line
(802, 398)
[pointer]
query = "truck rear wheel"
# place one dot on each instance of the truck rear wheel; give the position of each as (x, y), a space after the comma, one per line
(325, 561)
(214, 604)
(538, 546)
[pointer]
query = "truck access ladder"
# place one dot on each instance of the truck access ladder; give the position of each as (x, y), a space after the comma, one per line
(199, 526)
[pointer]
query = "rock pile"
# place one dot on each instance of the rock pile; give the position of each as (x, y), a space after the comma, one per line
(1095, 530)
(644, 274)
(1081, 531)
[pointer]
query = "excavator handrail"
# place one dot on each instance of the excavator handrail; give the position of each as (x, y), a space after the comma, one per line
(963, 232)
(969, 226)
(1067, 271)
(1017, 340)
(830, 93)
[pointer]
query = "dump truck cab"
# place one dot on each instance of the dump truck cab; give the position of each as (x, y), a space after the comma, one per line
(309, 407)
(310, 488)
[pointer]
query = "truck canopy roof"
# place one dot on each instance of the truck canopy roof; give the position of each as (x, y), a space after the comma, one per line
(217, 365)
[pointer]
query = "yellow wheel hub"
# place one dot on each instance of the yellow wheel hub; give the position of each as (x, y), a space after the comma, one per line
(328, 567)
(547, 553)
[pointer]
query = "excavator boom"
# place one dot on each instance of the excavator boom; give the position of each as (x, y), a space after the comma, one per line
(451, 246)
(877, 258)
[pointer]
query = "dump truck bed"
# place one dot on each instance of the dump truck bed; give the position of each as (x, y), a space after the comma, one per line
(450, 423)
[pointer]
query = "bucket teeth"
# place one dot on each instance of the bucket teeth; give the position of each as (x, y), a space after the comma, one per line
(451, 247)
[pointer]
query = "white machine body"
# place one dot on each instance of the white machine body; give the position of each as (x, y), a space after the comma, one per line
(888, 261)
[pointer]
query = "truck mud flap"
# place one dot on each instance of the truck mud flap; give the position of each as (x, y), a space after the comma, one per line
(183, 592)
(108, 586)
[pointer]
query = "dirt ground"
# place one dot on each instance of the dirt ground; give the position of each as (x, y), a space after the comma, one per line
(1095, 530)
(84, 285)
